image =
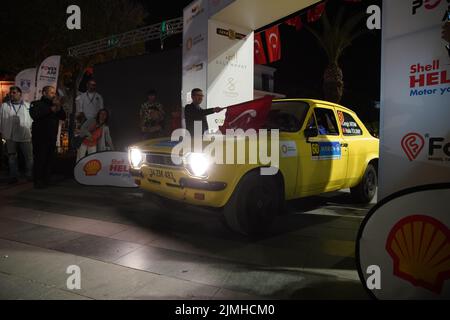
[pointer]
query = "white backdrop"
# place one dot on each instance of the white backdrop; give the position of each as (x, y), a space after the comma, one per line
(415, 106)
(214, 60)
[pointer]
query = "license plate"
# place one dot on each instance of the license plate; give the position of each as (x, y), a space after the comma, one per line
(162, 174)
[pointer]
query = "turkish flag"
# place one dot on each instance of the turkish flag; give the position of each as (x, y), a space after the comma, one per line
(247, 115)
(273, 43)
(260, 55)
(295, 22)
(315, 13)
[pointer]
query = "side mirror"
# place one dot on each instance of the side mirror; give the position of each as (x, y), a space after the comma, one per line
(311, 133)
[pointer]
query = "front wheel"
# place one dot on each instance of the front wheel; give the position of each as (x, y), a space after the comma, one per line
(253, 205)
(365, 191)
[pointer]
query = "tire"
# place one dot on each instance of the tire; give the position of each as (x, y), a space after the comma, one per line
(365, 191)
(254, 204)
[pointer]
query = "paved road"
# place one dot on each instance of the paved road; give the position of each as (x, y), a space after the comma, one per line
(127, 247)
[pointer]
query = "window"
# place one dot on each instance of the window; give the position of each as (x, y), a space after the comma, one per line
(311, 123)
(326, 122)
(348, 124)
(287, 116)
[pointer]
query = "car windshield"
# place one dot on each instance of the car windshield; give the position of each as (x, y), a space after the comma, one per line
(287, 116)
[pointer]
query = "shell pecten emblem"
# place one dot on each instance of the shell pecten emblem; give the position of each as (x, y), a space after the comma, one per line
(92, 168)
(420, 248)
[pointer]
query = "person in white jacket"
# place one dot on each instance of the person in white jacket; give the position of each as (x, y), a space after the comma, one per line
(15, 127)
(90, 102)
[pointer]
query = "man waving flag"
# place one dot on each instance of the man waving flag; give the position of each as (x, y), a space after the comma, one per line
(247, 115)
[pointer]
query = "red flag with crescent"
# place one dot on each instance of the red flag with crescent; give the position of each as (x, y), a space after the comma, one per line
(295, 22)
(315, 13)
(260, 55)
(248, 115)
(273, 43)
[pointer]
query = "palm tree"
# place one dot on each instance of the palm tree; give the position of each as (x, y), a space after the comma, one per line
(335, 37)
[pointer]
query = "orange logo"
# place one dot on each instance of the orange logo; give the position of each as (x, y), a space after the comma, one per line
(420, 248)
(92, 168)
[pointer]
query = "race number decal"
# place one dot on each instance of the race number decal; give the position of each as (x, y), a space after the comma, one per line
(326, 151)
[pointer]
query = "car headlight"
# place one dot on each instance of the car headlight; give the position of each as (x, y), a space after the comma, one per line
(136, 158)
(197, 164)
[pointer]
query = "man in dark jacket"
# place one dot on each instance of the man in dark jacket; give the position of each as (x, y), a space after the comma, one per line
(46, 114)
(193, 112)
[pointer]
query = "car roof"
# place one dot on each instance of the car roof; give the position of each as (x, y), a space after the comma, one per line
(316, 101)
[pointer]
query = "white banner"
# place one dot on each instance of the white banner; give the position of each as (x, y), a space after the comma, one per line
(105, 169)
(26, 80)
(230, 68)
(47, 74)
(195, 48)
(415, 95)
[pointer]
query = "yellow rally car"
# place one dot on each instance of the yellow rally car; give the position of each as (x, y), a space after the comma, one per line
(323, 147)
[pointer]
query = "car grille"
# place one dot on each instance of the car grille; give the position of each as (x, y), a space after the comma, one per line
(161, 160)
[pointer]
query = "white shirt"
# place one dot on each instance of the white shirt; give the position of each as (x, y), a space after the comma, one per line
(90, 104)
(15, 121)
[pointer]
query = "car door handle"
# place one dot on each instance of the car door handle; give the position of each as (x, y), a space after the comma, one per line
(344, 145)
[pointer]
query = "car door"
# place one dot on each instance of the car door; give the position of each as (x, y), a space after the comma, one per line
(323, 160)
(353, 136)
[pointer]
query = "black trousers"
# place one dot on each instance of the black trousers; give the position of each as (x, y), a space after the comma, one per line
(44, 154)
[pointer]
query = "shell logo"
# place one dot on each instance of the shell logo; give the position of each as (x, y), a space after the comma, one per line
(92, 168)
(420, 248)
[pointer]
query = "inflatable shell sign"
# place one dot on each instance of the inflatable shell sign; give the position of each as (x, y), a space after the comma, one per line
(420, 248)
(407, 236)
(108, 169)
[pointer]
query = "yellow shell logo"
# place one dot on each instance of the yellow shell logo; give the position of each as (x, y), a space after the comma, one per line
(420, 248)
(92, 168)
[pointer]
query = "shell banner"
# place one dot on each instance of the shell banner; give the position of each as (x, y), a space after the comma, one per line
(407, 238)
(415, 95)
(105, 169)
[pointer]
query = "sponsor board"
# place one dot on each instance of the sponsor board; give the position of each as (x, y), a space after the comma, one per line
(433, 148)
(105, 169)
(415, 91)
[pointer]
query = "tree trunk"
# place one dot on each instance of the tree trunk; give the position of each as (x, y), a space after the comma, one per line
(333, 83)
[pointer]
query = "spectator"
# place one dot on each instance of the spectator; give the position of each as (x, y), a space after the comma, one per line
(152, 117)
(194, 113)
(97, 135)
(15, 127)
(105, 142)
(80, 133)
(46, 113)
(90, 102)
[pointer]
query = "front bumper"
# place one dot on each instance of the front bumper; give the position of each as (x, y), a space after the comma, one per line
(175, 184)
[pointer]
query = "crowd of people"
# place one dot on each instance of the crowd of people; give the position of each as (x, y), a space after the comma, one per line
(92, 132)
(32, 129)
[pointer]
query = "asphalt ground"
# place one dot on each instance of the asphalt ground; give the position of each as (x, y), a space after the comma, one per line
(129, 247)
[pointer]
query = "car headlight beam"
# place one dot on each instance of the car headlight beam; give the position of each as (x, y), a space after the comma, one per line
(197, 164)
(136, 158)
